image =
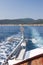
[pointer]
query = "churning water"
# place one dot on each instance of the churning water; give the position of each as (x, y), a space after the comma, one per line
(35, 33)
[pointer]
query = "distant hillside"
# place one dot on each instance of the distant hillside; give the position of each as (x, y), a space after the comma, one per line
(22, 21)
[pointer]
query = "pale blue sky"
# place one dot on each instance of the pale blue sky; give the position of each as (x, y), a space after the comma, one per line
(14, 9)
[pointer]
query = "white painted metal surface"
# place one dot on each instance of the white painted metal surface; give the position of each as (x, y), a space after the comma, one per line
(29, 54)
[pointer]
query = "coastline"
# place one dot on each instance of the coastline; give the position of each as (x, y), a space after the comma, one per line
(21, 24)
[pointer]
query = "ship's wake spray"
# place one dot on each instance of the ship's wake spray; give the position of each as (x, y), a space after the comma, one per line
(36, 38)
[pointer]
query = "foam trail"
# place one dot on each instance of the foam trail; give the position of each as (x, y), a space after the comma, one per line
(36, 38)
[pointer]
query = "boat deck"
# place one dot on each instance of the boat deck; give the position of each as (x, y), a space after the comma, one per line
(24, 55)
(37, 60)
(33, 54)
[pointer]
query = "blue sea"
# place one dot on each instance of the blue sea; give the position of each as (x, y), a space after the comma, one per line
(35, 33)
(29, 31)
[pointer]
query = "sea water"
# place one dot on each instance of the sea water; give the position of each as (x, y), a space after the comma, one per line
(35, 33)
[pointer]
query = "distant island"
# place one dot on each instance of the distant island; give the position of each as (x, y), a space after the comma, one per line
(21, 21)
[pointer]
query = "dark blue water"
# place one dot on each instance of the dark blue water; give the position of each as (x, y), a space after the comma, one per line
(6, 31)
(29, 32)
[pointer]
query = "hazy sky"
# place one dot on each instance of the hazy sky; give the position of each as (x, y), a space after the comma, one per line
(13, 9)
